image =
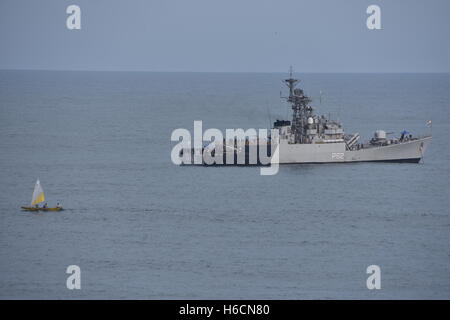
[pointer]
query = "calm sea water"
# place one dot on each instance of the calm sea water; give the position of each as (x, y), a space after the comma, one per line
(140, 227)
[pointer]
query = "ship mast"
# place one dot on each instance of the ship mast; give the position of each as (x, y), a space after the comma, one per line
(300, 107)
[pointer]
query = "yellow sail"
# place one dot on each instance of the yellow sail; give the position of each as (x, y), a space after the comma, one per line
(38, 194)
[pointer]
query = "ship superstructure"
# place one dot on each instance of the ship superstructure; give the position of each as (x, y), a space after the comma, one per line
(306, 127)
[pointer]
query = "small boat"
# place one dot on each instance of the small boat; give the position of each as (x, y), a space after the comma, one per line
(42, 209)
(39, 197)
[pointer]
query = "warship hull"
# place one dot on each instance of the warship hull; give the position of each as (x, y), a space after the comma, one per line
(410, 151)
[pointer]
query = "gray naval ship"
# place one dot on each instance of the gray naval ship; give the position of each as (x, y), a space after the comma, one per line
(310, 138)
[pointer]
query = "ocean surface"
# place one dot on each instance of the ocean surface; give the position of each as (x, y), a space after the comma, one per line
(140, 227)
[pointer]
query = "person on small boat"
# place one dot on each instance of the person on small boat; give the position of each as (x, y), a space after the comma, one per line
(57, 205)
(45, 206)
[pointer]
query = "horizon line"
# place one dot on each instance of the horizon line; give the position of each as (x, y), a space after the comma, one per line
(247, 72)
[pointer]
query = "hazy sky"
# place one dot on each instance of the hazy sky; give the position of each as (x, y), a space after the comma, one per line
(226, 35)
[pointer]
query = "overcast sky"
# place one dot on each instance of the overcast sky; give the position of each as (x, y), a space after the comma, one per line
(227, 35)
